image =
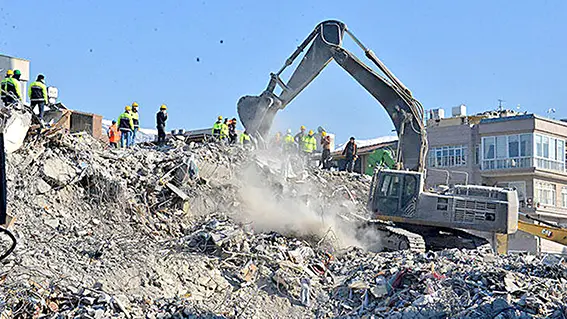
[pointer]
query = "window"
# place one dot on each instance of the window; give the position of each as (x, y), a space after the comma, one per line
(550, 153)
(448, 156)
(545, 193)
(489, 144)
(564, 196)
(390, 186)
(410, 187)
(501, 149)
(513, 146)
(507, 151)
(526, 145)
(539, 146)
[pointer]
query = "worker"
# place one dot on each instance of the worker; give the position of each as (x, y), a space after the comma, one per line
(298, 138)
(326, 154)
(11, 88)
(224, 131)
(288, 142)
(136, 120)
(161, 117)
(113, 135)
(217, 128)
(351, 154)
(277, 141)
(38, 95)
(232, 131)
(4, 85)
(126, 126)
(309, 143)
(245, 139)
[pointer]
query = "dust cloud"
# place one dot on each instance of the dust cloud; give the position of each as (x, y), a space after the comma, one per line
(300, 207)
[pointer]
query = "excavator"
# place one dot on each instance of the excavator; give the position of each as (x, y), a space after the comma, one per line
(402, 211)
(416, 218)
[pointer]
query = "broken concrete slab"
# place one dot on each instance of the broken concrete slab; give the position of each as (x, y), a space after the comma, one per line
(16, 129)
(58, 171)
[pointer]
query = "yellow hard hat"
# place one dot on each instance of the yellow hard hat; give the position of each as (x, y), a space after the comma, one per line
(9, 72)
(220, 117)
(163, 107)
(323, 133)
(128, 108)
(310, 132)
(135, 104)
(302, 127)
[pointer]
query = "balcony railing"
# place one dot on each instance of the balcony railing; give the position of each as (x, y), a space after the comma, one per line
(520, 162)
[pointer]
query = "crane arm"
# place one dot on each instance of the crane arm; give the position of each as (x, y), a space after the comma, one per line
(258, 112)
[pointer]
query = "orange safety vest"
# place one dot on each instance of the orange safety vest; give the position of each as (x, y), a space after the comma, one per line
(113, 134)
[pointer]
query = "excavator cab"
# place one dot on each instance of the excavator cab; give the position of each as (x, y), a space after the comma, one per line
(396, 191)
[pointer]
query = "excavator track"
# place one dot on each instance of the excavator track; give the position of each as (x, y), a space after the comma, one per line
(401, 239)
(393, 238)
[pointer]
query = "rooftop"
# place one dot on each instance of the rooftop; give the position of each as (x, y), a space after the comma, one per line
(522, 117)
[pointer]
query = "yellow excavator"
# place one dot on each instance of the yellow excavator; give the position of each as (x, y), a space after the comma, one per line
(414, 218)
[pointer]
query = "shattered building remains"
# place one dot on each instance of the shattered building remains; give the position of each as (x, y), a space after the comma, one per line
(142, 233)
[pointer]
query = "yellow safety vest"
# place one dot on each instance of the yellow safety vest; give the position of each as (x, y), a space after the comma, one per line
(288, 139)
(244, 139)
(217, 128)
(309, 144)
(223, 130)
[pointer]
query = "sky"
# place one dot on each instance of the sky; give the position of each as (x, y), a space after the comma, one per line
(200, 57)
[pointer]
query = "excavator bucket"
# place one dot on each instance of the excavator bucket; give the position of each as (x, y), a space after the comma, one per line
(257, 112)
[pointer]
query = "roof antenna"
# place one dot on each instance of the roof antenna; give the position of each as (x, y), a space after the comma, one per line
(550, 111)
(500, 106)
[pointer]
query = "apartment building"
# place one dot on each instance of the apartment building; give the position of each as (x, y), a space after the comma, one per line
(507, 149)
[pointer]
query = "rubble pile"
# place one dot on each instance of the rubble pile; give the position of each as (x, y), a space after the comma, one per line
(211, 231)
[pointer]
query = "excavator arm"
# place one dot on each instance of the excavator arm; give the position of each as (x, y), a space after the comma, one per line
(323, 45)
(544, 230)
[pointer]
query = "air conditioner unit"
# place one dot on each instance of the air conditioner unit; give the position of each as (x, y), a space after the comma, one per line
(437, 114)
(459, 111)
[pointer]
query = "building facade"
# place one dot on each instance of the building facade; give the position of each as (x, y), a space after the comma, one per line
(522, 151)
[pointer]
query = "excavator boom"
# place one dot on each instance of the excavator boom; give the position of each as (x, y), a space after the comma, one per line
(325, 45)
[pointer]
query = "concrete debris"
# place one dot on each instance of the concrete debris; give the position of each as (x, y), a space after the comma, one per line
(58, 172)
(15, 130)
(144, 233)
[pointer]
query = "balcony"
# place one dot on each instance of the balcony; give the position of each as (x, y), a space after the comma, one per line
(506, 163)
